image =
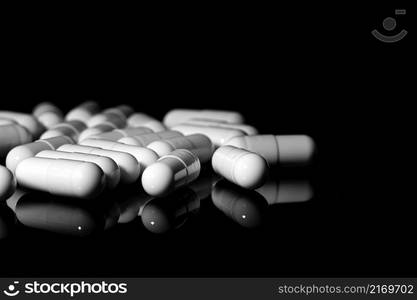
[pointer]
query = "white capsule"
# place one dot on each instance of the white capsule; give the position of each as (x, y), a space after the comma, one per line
(50, 119)
(244, 168)
(286, 191)
(48, 114)
(199, 144)
(117, 120)
(129, 166)
(177, 116)
(117, 134)
(5, 121)
(171, 172)
(28, 121)
(71, 128)
(144, 156)
(107, 165)
(61, 177)
(96, 130)
(247, 129)
(145, 139)
(218, 136)
(278, 149)
(143, 120)
(123, 111)
(20, 153)
(44, 107)
(11, 136)
(7, 184)
(83, 112)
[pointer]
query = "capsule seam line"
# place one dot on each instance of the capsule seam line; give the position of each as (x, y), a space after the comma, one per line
(177, 158)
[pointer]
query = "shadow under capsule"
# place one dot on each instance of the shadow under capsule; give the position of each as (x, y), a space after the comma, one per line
(161, 215)
(64, 215)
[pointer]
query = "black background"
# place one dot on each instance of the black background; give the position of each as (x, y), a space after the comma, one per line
(300, 68)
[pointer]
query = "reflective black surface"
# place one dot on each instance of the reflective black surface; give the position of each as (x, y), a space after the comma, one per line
(126, 204)
(200, 219)
(294, 224)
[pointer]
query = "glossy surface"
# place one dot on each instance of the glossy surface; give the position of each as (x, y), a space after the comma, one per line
(166, 214)
(67, 216)
(246, 208)
(206, 212)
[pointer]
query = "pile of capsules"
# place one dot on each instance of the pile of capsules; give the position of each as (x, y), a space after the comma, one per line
(87, 151)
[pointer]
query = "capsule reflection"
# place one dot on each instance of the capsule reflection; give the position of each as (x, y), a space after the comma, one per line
(161, 215)
(64, 215)
(245, 207)
(14, 198)
(132, 205)
(248, 208)
(203, 185)
(286, 191)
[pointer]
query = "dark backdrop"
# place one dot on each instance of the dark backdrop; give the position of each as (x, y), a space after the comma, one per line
(298, 68)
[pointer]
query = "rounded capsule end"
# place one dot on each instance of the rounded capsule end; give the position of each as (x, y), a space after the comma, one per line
(157, 179)
(250, 171)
